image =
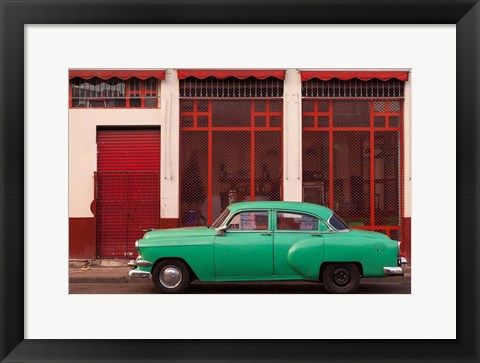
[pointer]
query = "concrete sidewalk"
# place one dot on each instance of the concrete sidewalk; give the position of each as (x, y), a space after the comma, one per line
(107, 275)
(119, 274)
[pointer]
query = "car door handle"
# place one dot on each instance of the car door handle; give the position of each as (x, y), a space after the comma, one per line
(317, 234)
(266, 233)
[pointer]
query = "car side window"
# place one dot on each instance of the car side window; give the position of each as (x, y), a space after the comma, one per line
(249, 221)
(287, 221)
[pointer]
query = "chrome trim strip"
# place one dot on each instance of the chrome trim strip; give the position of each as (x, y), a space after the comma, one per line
(299, 231)
(140, 274)
(249, 231)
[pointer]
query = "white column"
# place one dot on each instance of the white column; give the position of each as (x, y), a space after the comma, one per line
(82, 161)
(170, 141)
(407, 146)
(292, 136)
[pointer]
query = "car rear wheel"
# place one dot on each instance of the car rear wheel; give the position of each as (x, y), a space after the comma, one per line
(341, 278)
(170, 276)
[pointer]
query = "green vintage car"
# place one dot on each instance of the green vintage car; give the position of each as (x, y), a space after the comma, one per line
(267, 241)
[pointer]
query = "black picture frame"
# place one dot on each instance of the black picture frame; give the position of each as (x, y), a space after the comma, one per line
(15, 14)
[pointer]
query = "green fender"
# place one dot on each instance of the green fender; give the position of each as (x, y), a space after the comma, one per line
(306, 256)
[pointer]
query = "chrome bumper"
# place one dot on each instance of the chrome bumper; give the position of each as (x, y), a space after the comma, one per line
(397, 270)
(140, 274)
(136, 273)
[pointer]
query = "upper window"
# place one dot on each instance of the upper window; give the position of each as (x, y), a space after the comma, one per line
(287, 221)
(353, 88)
(249, 221)
(113, 93)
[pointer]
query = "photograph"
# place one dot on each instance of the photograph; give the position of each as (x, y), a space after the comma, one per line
(189, 180)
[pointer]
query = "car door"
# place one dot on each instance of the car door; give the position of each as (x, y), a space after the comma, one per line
(244, 250)
(298, 243)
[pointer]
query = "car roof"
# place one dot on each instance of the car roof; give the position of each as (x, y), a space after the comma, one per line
(317, 209)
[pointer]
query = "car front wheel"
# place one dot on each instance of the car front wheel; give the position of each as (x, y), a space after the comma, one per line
(341, 278)
(171, 276)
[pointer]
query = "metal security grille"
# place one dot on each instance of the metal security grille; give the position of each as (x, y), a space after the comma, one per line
(231, 150)
(127, 204)
(231, 87)
(352, 160)
(353, 88)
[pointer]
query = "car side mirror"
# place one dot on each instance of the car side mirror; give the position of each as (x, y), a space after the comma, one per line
(222, 231)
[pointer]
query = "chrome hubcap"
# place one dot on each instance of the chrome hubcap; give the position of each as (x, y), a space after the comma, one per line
(341, 276)
(170, 277)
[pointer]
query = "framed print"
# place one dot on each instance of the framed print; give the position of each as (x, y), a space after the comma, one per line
(41, 322)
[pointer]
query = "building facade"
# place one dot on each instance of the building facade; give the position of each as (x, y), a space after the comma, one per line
(169, 148)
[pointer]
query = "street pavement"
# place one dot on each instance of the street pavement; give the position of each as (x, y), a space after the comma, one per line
(115, 280)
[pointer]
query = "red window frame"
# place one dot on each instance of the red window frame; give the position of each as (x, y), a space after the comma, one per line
(372, 129)
(252, 128)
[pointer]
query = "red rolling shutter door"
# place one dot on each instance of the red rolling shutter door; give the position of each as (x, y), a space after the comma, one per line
(127, 189)
(128, 150)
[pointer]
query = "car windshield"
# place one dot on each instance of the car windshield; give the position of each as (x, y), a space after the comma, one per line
(221, 218)
(337, 222)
